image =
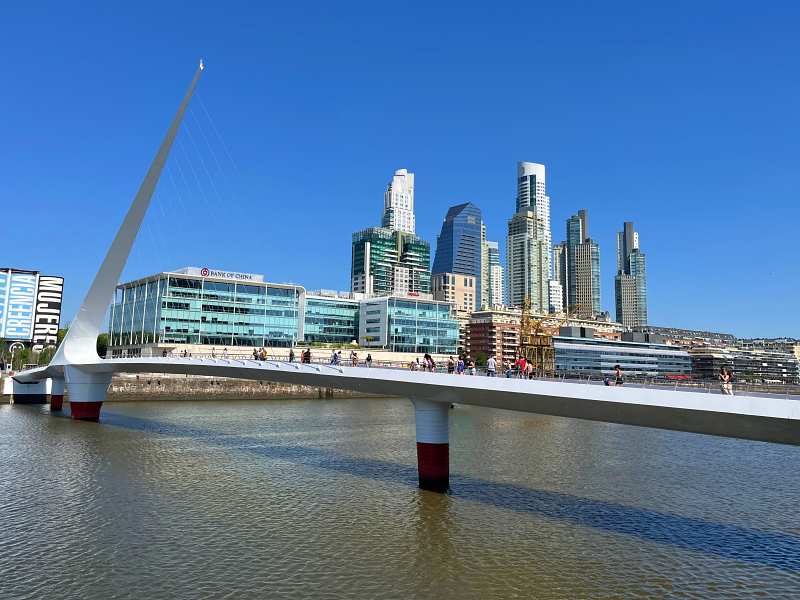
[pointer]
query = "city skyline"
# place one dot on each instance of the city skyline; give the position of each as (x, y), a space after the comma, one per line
(655, 148)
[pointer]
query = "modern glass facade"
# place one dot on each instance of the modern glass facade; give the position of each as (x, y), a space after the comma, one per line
(386, 261)
(330, 320)
(419, 326)
(593, 356)
(458, 247)
(408, 325)
(178, 308)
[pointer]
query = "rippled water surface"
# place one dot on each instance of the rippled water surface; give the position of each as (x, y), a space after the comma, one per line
(291, 499)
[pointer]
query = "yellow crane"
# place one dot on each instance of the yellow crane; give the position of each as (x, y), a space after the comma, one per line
(536, 338)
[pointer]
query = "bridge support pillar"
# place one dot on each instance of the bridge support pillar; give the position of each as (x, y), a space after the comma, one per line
(433, 444)
(87, 391)
(30, 393)
(56, 393)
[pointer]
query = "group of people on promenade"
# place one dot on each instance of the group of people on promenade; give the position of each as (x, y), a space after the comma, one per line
(336, 358)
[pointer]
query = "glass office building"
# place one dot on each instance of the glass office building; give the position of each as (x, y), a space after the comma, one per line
(386, 261)
(330, 319)
(458, 246)
(408, 325)
(595, 356)
(203, 306)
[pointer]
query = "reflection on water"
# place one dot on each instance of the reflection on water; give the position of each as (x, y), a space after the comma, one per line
(319, 499)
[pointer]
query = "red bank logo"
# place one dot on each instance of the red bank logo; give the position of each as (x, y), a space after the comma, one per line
(204, 271)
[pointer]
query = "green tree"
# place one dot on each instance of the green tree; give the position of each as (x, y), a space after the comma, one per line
(23, 356)
(480, 359)
(102, 344)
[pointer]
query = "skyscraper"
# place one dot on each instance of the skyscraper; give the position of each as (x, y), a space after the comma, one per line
(459, 246)
(630, 283)
(391, 259)
(387, 262)
(577, 267)
(496, 293)
(398, 203)
(529, 240)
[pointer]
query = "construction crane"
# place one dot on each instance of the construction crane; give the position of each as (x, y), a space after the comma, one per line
(536, 338)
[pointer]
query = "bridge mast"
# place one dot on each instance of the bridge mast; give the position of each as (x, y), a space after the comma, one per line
(79, 345)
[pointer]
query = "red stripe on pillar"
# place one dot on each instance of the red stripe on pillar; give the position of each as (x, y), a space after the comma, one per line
(56, 401)
(433, 463)
(85, 411)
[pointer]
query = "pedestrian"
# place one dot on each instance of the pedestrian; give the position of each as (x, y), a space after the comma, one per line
(491, 367)
(369, 360)
(291, 354)
(213, 353)
(224, 353)
(307, 356)
(725, 381)
(255, 354)
(529, 370)
(354, 358)
(522, 366)
(618, 377)
(334, 356)
(606, 380)
(507, 368)
(451, 365)
(460, 365)
(471, 365)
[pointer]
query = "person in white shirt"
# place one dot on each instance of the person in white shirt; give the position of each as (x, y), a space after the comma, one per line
(491, 367)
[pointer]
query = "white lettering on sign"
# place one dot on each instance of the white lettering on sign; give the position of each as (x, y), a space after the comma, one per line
(20, 305)
(221, 274)
(48, 311)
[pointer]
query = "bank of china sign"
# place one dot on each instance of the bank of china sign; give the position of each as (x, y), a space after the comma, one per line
(219, 274)
(30, 307)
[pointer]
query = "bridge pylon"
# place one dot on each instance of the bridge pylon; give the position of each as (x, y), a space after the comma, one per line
(432, 421)
(87, 388)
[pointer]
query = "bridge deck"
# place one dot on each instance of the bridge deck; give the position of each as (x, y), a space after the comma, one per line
(749, 417)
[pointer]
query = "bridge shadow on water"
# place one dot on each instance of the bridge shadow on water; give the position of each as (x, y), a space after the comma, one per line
(735, 542)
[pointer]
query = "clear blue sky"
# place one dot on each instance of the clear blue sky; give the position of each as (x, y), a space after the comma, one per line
(682, 117)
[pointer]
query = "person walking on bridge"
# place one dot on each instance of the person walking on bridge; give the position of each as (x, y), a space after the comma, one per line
(619, 379)
(491, 367)
(369, 360)
(291, 354)
(725, 381)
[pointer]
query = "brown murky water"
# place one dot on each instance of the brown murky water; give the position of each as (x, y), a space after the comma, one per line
(318, 499)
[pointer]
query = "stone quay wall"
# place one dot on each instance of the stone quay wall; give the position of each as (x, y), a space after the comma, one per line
(158, 386)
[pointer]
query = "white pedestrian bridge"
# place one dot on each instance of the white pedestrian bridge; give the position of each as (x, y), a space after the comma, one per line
(87, 376)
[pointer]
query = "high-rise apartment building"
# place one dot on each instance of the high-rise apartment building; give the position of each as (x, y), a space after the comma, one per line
(496, 292)
(459, 246)
(529, 240)
(577, 267)
(398, 203)
(630, 284)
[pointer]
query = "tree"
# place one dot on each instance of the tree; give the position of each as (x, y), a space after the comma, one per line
(23, 356)
(102, 344)
(480, 359)
(46, 355)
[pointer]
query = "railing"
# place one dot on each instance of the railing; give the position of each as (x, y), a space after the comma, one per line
(788, 390)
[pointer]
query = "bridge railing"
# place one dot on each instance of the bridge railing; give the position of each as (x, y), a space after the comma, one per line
(631, 380)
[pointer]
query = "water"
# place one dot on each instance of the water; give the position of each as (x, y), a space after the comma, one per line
(292, 499)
